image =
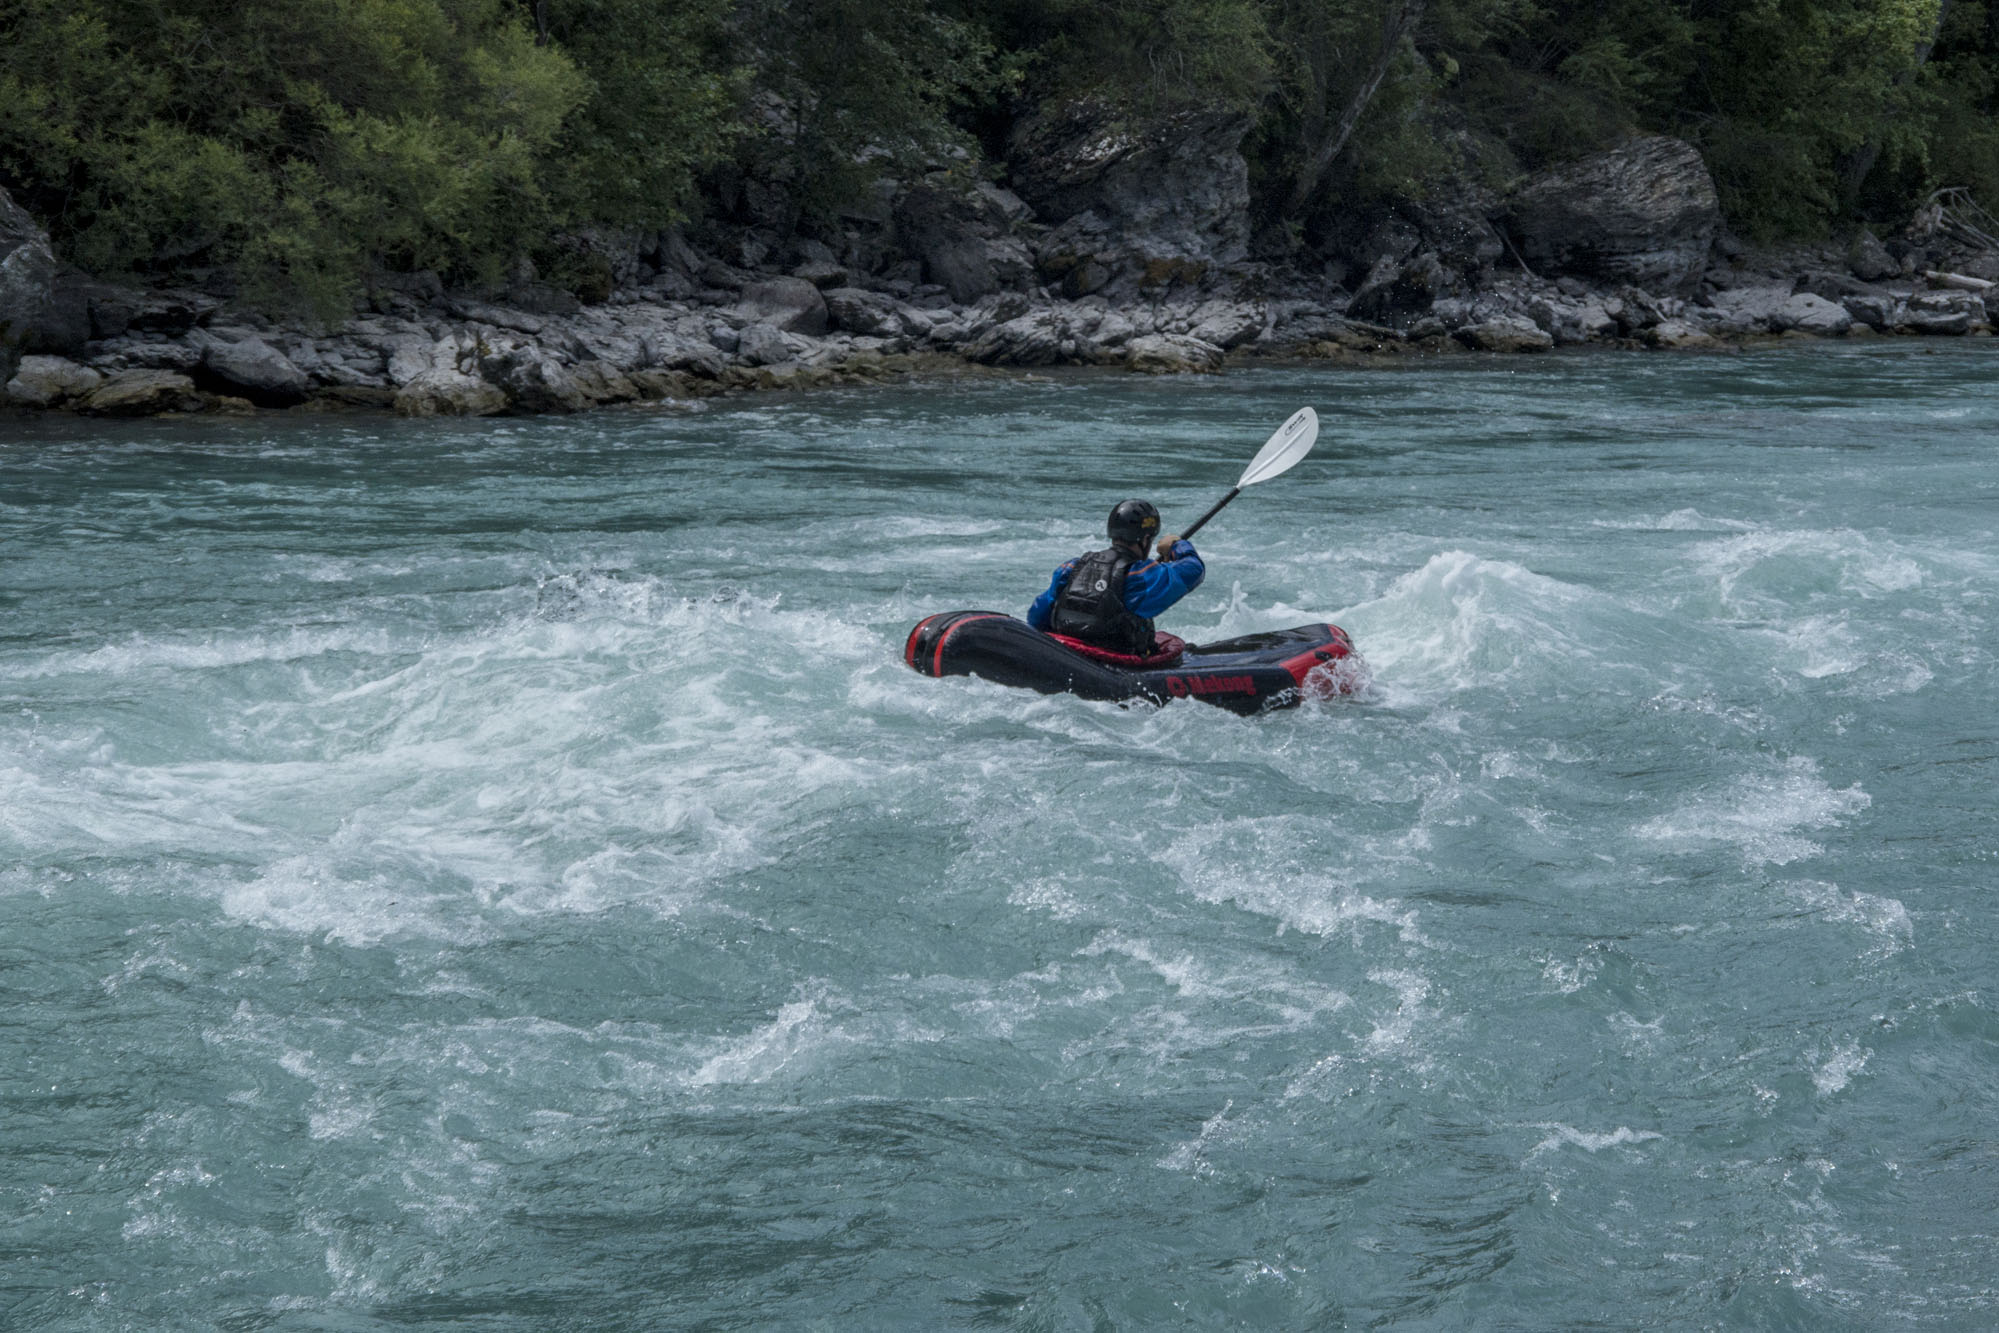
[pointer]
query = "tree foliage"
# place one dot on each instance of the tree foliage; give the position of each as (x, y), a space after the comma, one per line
(301, 143)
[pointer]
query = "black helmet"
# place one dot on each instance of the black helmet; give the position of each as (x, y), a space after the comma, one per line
(1134, 521)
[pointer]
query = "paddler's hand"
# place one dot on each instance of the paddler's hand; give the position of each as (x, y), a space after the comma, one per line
(1166, 545)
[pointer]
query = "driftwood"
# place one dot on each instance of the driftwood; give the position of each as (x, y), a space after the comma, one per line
(1962, 282)
(1953, 213)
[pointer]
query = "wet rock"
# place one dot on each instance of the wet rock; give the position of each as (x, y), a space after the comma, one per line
(1946, 312)
(251, 368)
(1506, 334)
(47, 381)
(142, 393)
(1756, 309)
(1645, 212)
(601, 382)
(1637, 310)
(1879, 311)
(1033, 339)
(533, 380)
(1227, 324)
(406, 356)
(674, 353)
(1115, 330)
(1572, 322)
(764, 345)
(1809, 313)
(1672, 333)
(1171, 354)
(874, 314)
(791, 305)
(444, 392)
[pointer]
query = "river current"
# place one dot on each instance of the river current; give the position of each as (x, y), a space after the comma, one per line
(501, 875)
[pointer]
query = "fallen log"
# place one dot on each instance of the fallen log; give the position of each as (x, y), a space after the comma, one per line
(1961, 282)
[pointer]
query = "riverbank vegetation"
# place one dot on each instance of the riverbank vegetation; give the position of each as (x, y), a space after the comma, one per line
(302, 144)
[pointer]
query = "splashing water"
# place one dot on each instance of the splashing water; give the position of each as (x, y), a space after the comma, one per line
(501, 874)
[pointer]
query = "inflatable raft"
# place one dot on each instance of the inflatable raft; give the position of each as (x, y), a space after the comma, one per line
(1277, 669)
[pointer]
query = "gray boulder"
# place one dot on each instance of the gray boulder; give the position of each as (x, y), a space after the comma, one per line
(670, 352)
(251, 368)
(1644, 212)
(874, 315)
(1752, 309)
(1171, 354)
(1227, 324)
(46, 381)
(1870, 260)
(533, 380)
(1879, 311)
(27, 283)
(445, 392)
(142, 393)
(1946, 312)
(1508, 333)
(764, 345)
(1809, 313)
(1672, 334)
(1573, 322)
(791, 305)
(1033, 339)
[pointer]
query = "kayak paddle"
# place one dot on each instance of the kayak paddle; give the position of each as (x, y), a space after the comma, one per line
(1293, 440)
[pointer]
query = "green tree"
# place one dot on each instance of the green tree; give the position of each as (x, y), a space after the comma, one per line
(665, 104)
(297, 142)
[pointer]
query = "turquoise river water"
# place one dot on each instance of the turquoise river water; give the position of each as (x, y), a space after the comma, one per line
(500, 875)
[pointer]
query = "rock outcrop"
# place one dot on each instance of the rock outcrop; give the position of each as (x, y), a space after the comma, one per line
(1507, 333)
(1172, 354)
(1644, 213)
(790, 305)
(445, 392)
(27, 283)
(142, 393)
(1394, 293)
(48, 381)
(963, 237)
(248, 367)
(1133, 204)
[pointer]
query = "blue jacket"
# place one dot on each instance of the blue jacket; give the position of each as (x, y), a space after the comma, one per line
(1149, 588)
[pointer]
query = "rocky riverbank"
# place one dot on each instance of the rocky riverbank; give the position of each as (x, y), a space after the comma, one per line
(1129, 252)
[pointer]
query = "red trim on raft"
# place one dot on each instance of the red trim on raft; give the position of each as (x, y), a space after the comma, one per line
(1169, 650)
(1319, 655)
(937, 659)
(909, 648)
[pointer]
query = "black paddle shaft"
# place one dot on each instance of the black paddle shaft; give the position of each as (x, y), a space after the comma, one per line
(1234, 491)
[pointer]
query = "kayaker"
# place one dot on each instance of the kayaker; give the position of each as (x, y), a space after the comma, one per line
(1109, 598)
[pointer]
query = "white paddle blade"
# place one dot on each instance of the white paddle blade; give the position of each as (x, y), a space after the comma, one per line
(1293, 440)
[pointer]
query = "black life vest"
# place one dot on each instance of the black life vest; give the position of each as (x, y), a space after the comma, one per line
(1091, 605)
